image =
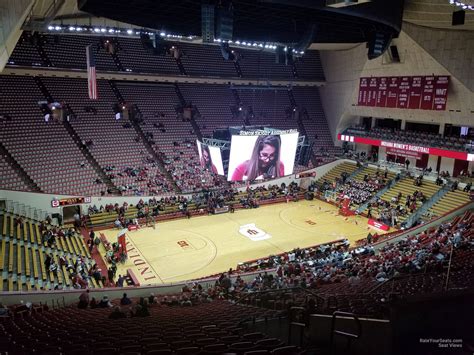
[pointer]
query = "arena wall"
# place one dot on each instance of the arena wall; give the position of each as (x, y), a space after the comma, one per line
(344, 68)
(453, 49)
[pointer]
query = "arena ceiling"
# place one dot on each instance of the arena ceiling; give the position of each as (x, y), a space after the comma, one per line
(284, 21)
(263, 19)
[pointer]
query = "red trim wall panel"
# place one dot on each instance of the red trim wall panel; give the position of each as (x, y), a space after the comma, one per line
(408, 147)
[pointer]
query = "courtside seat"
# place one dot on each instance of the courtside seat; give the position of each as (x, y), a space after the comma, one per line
(69, 245)
(10, 257)
(38, 234)
(42, 267)
(19, 268)
(34, 259)
(3, 253)
(4, 226)
(31, 230)
(12, 227)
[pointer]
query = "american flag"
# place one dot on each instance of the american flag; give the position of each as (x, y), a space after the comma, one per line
(91, 75)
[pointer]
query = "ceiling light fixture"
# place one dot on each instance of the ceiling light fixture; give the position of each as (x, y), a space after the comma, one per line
(465, 5)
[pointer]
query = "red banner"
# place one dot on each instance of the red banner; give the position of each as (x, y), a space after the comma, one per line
(382, 93)
(403, 92)
(363, 89)
(378, 225)
(427, 93)
(392, 93)
(404, 153)
(413, 92)
(373, 89)
(441, 93)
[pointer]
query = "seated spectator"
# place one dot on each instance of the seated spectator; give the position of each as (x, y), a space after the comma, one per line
(83, 300)
(117, 314)
(105, 303)
(4, 311)
(152, 299)
(125, 300)
(141, 310)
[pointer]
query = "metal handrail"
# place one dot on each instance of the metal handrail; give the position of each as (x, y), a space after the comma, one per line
(349, 336)
(449, 267)
(287, 289)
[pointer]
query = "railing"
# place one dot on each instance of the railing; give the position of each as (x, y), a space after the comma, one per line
(281, 290)
(426, 206)
(20, 209)
(349, 336)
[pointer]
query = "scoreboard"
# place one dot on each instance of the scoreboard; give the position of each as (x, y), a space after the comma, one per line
(70, 201)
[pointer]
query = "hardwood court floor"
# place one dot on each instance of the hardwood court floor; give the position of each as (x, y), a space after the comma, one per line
(186, 249)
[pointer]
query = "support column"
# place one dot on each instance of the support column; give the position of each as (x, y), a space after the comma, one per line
(441, 128)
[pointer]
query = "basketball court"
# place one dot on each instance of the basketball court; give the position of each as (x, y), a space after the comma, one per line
(187, 249)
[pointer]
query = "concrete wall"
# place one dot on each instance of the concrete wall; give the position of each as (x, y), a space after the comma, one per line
(382, 153)
(12, 15)
(376, 334)
(362, 148)
(447, 164)
(432, 162)
(342, 70)
(453, 49)
(416, 61)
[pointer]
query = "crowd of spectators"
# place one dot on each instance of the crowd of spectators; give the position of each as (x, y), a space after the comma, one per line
(184, 167)
(80, 271)
(389, 211)
(205, 200)
(359, 191)
(337, 263)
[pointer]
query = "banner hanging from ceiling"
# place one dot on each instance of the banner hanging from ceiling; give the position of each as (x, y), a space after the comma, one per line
(405, 92)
